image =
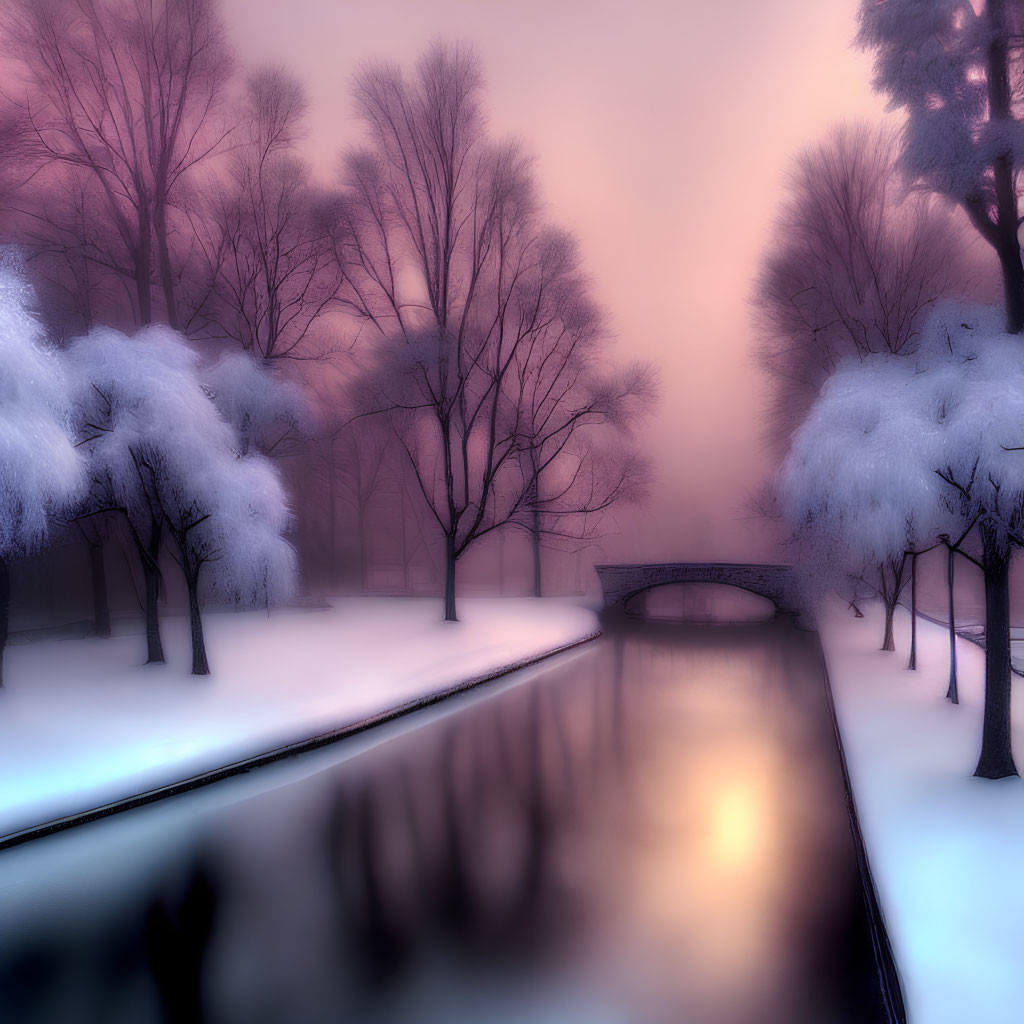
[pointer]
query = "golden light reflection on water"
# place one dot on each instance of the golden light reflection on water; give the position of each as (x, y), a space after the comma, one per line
(737, 828)
(721, 803)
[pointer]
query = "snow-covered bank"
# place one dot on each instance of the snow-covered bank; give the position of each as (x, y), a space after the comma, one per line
(945, 848)
(83, 724)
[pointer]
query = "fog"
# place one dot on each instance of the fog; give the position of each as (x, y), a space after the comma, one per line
(662, 134)
(661, 137)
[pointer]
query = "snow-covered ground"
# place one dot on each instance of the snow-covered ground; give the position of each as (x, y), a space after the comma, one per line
(82, 723)
(946, 849)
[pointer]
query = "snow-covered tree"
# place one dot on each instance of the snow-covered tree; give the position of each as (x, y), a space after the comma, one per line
(41, 473)
(159, 450)
(852, 486)
(954, 67)
(263, 406)
(900, 452)
(227, 514)
(126, 404)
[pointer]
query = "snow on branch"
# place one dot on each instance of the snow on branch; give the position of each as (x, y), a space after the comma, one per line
(41, 472)
(898, 452)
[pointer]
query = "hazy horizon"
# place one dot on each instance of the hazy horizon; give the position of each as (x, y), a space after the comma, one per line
(662, 137)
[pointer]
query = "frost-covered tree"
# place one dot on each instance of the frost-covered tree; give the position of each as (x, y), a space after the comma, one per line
(857, 502)
(125, 397)
(853, 267)
(227, 515)
(41, 473)
(159, 451)
(954, 67)
(264, 407)
(900, 452)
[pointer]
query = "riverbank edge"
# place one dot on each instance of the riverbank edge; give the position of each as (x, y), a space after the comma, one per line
(885, 961)
(974, 635)
(292, 749)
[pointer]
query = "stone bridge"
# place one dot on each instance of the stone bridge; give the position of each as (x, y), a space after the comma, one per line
(775, 582)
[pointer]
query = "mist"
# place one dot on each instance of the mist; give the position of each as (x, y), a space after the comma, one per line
(662, 135)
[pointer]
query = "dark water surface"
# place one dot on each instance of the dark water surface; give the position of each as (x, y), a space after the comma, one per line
(649, 830)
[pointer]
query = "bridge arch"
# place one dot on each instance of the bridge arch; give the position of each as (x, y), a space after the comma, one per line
(621, 583)
(700, 602)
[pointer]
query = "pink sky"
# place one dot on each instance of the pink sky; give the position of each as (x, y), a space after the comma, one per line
(662, 132)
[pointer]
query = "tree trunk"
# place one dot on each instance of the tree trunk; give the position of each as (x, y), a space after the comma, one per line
(1013, 282)
(200, 666)
(996, 760)
(912, 663)
(98, 580)
(535, 545)
(272, 321)
(150, 558)
(364, 570)
(143, 285)
(501, 563)
(890, 596)
(951, 691)
(404, 537)
(888, 640)
(1000, 110)
(332, 519)
(535, 525)
(5, 611)
(163, 256)
(449, 579)
(144, 297)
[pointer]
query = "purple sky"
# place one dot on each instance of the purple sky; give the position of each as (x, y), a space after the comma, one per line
(662, 132)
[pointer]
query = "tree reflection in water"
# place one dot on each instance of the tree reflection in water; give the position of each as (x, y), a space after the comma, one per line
(177, 935)
(652, 830)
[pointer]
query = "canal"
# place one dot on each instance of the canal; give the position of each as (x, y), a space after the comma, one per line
(650, 829)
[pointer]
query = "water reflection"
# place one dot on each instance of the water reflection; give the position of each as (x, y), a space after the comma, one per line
(653, 832)
(177, 929)
(701, 603)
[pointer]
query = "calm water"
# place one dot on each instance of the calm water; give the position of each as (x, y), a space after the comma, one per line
(649, 830)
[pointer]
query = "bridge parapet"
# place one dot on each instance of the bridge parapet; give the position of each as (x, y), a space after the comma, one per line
(619, 583)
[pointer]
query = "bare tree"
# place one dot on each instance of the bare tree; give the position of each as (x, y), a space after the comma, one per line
(434, 223)
(271, 254)
(124, 92)
(444, 257)
(853, 268)
(567, 404)
(888, 583)
(14, 138)
(73, 252)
